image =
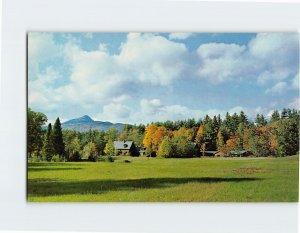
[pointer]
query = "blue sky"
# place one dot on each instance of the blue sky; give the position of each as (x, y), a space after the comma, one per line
(145, 77)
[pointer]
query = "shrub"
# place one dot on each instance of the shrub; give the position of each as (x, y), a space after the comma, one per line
(55, 158)
(35, 159)
(109, 158)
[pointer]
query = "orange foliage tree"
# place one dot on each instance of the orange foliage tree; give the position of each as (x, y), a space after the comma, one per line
(153, 137)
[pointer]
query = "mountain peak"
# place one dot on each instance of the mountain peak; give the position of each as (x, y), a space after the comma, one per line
(85, 118)
(80, 120)
(85, 123)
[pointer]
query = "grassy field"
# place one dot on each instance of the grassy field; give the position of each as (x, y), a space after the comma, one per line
(166, 180)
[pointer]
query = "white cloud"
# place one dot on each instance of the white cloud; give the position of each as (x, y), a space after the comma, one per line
(295, 103)
(41, 90)
(220, 62)
(116, 112)
(278, 88)
(152, 59)
(268, 57)
(97, 77)
(41, 48)
(180, 35)
(121, 98)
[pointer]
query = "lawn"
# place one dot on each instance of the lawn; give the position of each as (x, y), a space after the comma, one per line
(166, 180)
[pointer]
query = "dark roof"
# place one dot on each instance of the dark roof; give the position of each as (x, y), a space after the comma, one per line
(123, 145)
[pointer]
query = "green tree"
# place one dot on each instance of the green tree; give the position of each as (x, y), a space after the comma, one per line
(74, 150)
(48, 148)
(220, 140)
(243, 118)
(275, 116)
(260, 120)
(110, 148)
(35, 120)
(166, 148)
(58, 142)
(240, 133)
(288, 137)
(89, 152)
(111, 134)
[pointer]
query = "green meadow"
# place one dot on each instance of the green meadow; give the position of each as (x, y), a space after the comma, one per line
(166, 180)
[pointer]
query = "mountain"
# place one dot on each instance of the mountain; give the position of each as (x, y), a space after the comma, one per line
(85, 123)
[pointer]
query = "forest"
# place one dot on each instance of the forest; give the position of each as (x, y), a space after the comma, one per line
(276, 136)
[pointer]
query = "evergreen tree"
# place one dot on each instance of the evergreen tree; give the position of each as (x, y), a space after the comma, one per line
(275, 116)
(243, 118)
(228, 123)
(48, 148)
(260, 120)
(58, 142)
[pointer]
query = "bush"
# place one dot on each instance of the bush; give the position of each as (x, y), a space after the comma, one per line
(55, 158)
(35, 159)
(109, 158)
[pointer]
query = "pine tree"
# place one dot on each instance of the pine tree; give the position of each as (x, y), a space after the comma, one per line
(48, 149)
(260, 120)
(58, 142)
(243, 118)
(275, 116)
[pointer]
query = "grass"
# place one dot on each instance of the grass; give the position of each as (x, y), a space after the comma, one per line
(166, 180)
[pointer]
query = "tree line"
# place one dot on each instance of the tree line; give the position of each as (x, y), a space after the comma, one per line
(277, 136)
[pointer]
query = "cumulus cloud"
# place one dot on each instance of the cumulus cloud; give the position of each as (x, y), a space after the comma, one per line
(144, 58)
(152, 59)
(267, 57)
(219, 62)
(41, 90)
(180, 35)
(41, 48)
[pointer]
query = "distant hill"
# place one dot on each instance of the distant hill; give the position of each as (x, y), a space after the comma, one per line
(85, 123)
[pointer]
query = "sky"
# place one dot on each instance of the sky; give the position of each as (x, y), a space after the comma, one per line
(145, 77)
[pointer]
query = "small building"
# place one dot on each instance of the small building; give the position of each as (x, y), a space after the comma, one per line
(210, 153)
(126, 148)
(141, 150)
(239, 153)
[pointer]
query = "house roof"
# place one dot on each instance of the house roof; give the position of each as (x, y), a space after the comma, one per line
(209, 151)
(123, 145)
(235, 152)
